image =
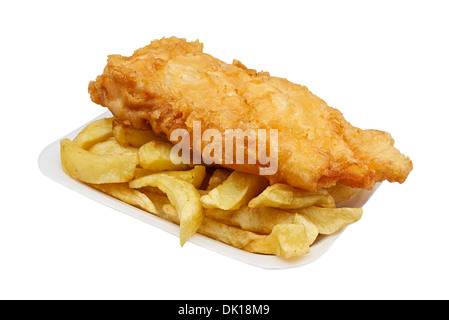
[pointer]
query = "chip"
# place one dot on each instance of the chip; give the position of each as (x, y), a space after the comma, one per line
(155, 156)
(236, 191)
(128, 136)
(96, 131)
(262, 220)
(330, 220)
(311, 229)
(286, 197)
(123, 192)
(94, 168)
(194, 176)
(110, 146)
(341, 193)
(184, 197)
(141, 172)
(286, 240)
(218, 177)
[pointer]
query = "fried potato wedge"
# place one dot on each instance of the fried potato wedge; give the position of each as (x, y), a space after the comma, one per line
(330, 220)
(223, 216)
(184, 197)
(262, 220)
(285, 240)
(155, 155)
(93, 168)
(158, 199)
(236, 191)
(286, 197)
(194, 176)
(235, 237)
(96, 131)
(342, 193)
(128, 136)
(123, 192)
(218, 177)
(110, 146)
(141, 172)
(311, 228)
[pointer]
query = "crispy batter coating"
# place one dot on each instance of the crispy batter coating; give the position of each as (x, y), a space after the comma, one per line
(171, 83)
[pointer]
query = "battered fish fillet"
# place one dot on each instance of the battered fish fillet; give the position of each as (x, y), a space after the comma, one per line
(171, 83)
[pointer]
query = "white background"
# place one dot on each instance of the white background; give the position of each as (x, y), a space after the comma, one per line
(384, 64)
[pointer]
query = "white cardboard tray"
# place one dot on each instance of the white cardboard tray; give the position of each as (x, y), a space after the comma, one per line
(50, 165)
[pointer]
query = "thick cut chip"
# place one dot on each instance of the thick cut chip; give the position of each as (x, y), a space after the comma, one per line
(94, 132)
(224, 216)
(93, 168)
(330, 220)
(218, 177)
(111, 146)
(185, 199)
(155, 155)
(287, 240)
(123, 192)
(311, 228)
(286, 197)
(262, 220)
(141, 172)
(236, 191)
(158, 199)
(194, 176)
(235, 237)
(341, 193)
(128, 136)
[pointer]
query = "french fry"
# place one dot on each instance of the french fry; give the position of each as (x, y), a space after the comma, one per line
(93, 168)
(185, 198)
(223, 216)
(330, 220)
(194, 176)
(235, 237)
(110, 146)
(288, 240)
(141, 172)
(155, 155)
(217, 178)
(342, 193)
(262, 220)
(236, 191)
(123, 192)
(311, 228)
(96, 131)
(159, 200)
(128, 136)
(286, 197)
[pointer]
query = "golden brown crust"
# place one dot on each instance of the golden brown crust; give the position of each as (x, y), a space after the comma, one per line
(171, 83)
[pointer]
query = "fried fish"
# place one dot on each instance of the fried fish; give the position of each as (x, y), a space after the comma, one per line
(171, 83)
